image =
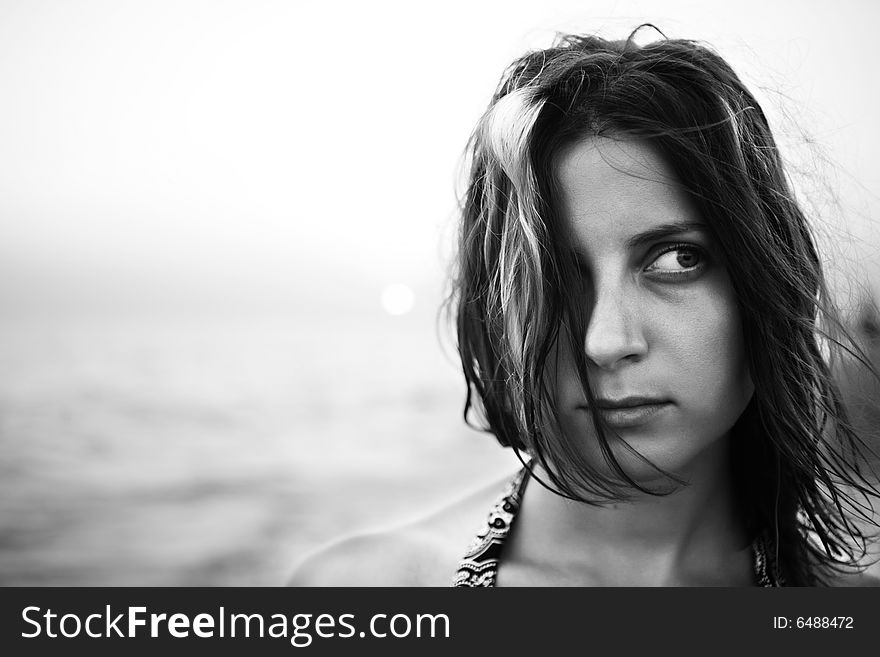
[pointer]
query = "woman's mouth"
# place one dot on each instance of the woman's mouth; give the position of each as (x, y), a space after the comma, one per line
(630, 411)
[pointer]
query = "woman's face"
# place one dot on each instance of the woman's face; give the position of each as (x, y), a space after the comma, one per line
(663, 343)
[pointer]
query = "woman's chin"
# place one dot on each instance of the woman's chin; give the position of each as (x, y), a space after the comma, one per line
(669, 462)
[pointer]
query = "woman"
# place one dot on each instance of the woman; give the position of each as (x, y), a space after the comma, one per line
(642, 317)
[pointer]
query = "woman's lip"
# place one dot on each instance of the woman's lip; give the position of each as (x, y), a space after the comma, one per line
(621, 417)
(628, 402)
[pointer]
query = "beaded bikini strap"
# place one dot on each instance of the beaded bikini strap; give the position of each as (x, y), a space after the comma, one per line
(479, 566)
(766, 570)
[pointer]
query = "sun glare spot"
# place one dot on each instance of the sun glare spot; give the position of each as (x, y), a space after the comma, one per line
(397, 299)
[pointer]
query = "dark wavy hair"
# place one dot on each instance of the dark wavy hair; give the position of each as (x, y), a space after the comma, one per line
(797, 460)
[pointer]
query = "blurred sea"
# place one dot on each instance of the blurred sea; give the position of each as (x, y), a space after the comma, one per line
(217, 452)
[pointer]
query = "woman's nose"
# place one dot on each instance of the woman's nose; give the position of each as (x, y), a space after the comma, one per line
(614, 331)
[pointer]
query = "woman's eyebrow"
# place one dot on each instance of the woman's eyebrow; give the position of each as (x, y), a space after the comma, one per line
(663, 231)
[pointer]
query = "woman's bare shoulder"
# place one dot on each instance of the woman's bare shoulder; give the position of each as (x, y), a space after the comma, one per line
(424, 552)
(856, 579)
(390, 558)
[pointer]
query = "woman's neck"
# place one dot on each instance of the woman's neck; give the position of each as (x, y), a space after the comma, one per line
(693, 535)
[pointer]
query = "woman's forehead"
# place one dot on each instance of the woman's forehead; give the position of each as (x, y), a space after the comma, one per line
(614, 190)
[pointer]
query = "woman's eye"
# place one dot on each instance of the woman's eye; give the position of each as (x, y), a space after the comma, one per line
(678, 260)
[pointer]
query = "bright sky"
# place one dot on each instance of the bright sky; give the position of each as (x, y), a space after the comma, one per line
(305, 150)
